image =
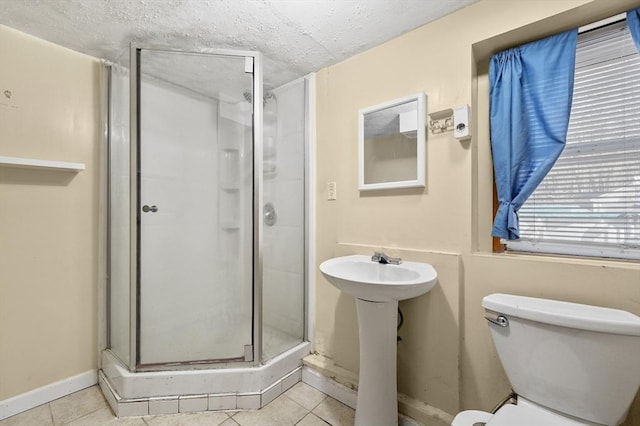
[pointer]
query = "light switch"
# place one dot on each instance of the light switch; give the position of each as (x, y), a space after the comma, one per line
(332, 191)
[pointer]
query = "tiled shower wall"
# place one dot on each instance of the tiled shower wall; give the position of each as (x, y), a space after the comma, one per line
(284, 159)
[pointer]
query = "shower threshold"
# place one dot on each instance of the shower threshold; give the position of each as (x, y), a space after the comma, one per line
(170, 392)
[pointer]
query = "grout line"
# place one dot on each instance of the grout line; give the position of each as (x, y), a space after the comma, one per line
(297, 403)
(50, 412)
(315, 406)
(81, 417)
(323, 400)
(316, 416)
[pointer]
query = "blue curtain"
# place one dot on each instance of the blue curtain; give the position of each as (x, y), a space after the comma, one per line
(633, 22)
(531, 88)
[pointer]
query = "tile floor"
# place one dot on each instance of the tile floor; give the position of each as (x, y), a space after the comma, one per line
(302, 405)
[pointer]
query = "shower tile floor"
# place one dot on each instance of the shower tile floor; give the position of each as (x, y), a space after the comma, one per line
(302, 405)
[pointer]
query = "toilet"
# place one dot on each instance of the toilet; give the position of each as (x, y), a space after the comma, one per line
(569, 364)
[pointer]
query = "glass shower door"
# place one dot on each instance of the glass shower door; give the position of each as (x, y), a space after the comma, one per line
(194, 207)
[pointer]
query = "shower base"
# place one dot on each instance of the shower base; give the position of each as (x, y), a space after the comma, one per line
(170, 392)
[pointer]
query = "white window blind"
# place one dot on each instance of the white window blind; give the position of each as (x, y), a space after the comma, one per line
(589, 204)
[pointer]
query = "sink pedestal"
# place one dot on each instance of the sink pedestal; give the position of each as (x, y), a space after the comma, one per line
(377, 402)
(377, 288)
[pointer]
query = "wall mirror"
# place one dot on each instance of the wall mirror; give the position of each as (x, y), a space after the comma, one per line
(391, 144)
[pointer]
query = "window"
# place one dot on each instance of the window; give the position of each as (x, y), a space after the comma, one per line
(589, 204)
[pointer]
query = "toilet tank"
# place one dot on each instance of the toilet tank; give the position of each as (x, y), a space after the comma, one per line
(580, 360)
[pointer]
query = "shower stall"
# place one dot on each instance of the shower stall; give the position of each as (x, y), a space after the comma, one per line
(206, 232)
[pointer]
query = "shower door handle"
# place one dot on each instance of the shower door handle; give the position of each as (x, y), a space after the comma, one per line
(148, 209)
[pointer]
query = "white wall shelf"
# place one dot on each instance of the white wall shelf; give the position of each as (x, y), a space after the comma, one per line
(32, 163)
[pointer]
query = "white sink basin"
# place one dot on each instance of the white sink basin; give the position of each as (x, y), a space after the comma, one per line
(358, 276)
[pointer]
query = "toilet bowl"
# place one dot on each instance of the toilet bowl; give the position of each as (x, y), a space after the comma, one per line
(569, 364)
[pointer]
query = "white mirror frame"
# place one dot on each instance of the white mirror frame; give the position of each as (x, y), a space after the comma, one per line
(419, 181)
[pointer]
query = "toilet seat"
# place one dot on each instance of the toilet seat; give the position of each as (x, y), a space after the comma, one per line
(525, 413)
(471, 417)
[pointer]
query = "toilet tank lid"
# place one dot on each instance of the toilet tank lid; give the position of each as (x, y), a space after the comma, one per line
(565, 314)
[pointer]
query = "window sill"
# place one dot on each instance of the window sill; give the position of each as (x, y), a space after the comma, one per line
(626, 264)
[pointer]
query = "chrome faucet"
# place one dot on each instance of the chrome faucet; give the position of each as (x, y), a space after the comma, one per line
(380, 257)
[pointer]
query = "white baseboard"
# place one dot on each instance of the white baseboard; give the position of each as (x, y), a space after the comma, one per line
(330, 387)
(28, 400)
(423, 413)
(412, 412)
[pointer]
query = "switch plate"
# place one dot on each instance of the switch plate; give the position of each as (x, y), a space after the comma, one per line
(332, 191)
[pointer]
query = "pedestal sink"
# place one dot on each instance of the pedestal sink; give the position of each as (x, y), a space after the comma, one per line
(377, 288)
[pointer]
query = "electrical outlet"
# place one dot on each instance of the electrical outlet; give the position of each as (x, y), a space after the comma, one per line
(332, 191)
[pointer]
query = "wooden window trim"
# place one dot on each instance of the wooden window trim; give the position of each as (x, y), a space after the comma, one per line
(497, 246)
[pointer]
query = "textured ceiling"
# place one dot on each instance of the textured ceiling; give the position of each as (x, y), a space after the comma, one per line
(295, 36)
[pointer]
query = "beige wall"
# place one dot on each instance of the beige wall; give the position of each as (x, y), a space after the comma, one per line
(447, 60)
(48, 219)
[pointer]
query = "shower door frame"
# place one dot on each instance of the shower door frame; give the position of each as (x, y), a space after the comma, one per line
(135, 207)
